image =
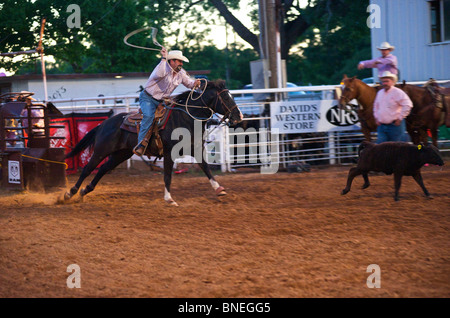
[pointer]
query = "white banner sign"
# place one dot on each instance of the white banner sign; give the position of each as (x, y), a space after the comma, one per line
(14, 172)
(292, 117)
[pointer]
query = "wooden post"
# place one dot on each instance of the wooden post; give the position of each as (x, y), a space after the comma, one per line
(40, 49)
(271, 47)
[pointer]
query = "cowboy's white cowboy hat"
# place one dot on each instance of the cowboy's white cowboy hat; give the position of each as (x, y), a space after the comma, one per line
(388, 74)
(386, 46)
(177, 55)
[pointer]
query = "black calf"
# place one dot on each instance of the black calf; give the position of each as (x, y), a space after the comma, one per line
(399, 158)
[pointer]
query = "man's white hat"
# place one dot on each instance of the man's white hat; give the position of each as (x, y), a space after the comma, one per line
(177, 55)
(386, 46)
(388, 74)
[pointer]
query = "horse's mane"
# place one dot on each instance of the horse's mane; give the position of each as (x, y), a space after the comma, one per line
(217, 84)
(354, 78)
(350, 79)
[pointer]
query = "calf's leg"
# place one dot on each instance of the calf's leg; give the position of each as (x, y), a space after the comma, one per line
(397, 183)
(366, 180)
(418, 177)
(351, 175)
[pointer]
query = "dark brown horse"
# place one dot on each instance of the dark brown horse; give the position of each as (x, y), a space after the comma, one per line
(110, 141)
(424, 116)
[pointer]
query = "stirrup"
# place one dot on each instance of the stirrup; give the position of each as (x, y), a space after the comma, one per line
(139, 150)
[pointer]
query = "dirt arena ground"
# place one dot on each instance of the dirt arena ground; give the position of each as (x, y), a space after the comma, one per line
(288, 235)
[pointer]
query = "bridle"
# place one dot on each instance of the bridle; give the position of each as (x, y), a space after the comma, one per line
(212, 109)
(346, 101)
(224, 105)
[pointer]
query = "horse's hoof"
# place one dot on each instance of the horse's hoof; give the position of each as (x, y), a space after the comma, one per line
(220, 191)
(67, 196)
(172, 203)
(344, 192)
(83, 192)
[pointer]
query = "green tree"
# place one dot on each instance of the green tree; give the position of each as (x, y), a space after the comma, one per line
(338, 41)
(329, 54)
(342, 39)
(97, 46)
(20, 23)
(234, 61)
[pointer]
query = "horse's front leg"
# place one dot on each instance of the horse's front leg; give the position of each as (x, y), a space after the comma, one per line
(92, 164)
(366, 132)
(216, 186)
(168, 167)
(434, 136)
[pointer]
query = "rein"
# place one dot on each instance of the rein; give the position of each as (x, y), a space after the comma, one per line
(212, 110)
(228, 113)
(347, 102)
(194, 99)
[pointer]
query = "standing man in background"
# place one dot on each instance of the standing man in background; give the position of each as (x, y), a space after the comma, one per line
(390, 108)
(386, 62)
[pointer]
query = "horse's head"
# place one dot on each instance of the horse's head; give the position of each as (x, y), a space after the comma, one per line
(217, 97)
(349, 91)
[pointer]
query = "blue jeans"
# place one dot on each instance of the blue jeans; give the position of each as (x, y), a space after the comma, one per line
(148, 106)
(390, 132)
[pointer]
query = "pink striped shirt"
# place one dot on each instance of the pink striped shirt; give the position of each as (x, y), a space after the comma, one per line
(391, 105)
(163, 81)
(388, 63)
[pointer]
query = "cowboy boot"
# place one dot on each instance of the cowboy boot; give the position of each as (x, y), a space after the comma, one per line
(140, 148)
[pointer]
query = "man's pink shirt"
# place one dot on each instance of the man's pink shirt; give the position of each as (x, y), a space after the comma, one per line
(391, 105)
(163, 81)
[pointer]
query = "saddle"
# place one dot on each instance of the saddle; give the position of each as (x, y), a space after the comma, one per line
(132, 123)
(441, 99)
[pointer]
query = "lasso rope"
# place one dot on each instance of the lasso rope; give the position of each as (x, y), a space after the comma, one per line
(154, 32)
(186, 105)
(155, 42)
(194, 99)
(51, 161)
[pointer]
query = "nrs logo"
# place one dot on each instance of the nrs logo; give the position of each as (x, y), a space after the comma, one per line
(340, 117)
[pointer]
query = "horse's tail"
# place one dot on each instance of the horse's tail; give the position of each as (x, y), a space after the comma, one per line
(84, 143)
